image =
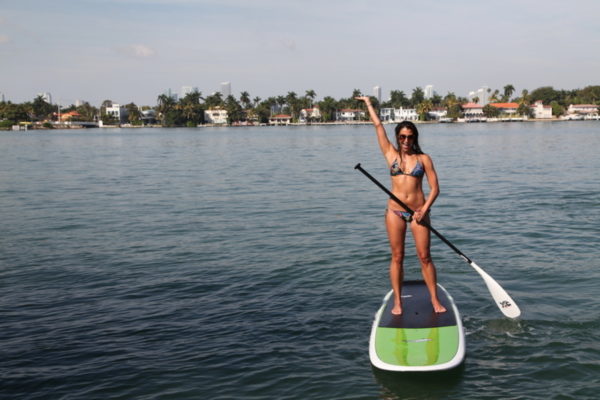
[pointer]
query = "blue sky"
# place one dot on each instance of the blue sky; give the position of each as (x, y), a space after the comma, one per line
(133, 50)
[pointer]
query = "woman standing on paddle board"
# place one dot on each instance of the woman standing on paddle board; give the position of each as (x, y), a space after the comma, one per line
(408, 164)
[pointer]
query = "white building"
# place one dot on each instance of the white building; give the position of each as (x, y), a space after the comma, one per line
(428, 91)
(377, 93)
(225, 89)
(217, 116)
(398, 114)
(481, 94)
(280, 119)
(119, 112)
(540, 111)
(438, 113)
(348, 114)
(473, 111)
(309, 114)
(582, 109)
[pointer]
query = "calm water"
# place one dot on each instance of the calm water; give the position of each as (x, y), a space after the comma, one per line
(248, 263)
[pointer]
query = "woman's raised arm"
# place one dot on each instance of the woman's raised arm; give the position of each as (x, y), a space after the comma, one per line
(384, 143)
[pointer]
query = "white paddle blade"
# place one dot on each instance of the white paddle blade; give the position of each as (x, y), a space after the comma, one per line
(506, 304)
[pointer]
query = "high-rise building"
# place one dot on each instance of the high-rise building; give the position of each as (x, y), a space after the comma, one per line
(483, 95)
(428, 92)
(2, 97)
(377, 93)
(225, 89)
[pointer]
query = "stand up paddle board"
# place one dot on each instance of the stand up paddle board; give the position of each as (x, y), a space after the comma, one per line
(419, 339)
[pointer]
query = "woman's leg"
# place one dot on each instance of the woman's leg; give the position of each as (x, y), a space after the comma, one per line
(396, 230)
(422, 237)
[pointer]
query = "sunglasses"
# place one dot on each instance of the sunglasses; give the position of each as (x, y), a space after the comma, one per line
(406, 137)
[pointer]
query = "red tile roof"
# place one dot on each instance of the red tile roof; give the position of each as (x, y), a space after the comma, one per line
(471, 105)
(505, 105)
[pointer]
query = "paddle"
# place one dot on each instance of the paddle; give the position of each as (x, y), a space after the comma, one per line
(508, 307)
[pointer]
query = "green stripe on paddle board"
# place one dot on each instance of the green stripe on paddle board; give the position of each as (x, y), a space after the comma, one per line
(416, 347)
(419, 339)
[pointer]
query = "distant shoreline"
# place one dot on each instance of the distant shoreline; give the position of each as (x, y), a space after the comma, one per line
(296, 124)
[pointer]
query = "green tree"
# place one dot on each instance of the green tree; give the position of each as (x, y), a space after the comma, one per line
(234, 110)
(294, 105)
(245, 99)
(546, 94)
(491, 111)
(508, 91)
(134, 116)
(311, 94)
(398, 99)
(192, 111)
(42, 109)
(525, 110)
(423, 108)
(557, 109)
(590, 94)
(328, 107)
(166, 110)
(417, 97)
(214, 100)
(87, 112)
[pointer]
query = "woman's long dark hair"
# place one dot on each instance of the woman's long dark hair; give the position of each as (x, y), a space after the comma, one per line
(415, 144)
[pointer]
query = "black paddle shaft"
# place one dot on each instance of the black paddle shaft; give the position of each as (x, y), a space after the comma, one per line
(411, 212)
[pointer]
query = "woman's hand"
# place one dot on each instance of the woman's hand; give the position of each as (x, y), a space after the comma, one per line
(366, 99)
(418, 215)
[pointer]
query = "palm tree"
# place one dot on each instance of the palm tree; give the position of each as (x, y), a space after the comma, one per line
(245, 99)
(292, 101)
(508, 91)
(423, 108)
(165, 103)
(311, 94)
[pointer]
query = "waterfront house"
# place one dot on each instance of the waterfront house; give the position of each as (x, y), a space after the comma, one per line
(119, 112)
(386, 114)
(582, 109)
(349, 114)
(398, 114)
(540, 111)
(405, 114)
(473, 111)
(68, 116)
(216, 115)
(310, 114)
(507, 109)
(148, 116)
(280, 119)
(437, 113)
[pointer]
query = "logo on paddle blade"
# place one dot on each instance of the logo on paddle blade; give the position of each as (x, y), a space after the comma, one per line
(505, 304)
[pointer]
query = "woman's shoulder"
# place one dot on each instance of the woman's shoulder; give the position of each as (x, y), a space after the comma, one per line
(425, 159)
(424, 156)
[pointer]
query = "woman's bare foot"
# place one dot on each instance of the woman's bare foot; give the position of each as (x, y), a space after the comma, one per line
(397, 310)
(438, 307)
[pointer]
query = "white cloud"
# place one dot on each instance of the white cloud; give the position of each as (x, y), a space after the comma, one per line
(4, 39)
(136, 50)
